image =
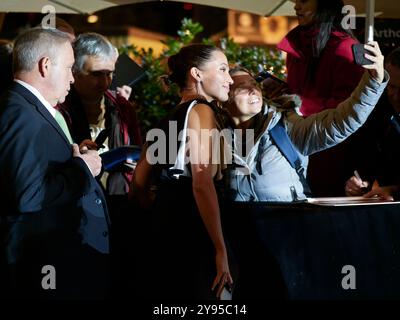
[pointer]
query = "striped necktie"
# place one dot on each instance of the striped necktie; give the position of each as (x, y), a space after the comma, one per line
(63, 125)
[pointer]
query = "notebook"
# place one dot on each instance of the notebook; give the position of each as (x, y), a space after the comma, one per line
(127, 72)
(118, 156)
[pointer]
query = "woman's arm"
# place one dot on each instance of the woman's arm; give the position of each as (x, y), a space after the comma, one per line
(140, 186)
(330, 127)
(200, 127)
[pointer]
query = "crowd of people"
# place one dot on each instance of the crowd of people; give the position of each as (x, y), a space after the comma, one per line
(222, 143)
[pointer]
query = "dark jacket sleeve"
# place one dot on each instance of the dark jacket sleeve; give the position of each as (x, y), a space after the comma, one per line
(36, 165)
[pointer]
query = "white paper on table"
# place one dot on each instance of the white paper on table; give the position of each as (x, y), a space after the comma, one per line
(348, 201)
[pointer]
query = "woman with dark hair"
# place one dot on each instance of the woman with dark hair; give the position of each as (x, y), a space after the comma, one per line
(322, 71)
(320, 62)
(188, 257)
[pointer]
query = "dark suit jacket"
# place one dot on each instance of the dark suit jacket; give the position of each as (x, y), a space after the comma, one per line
(53, 211)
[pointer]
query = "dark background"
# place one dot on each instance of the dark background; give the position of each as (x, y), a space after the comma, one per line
(162, 17)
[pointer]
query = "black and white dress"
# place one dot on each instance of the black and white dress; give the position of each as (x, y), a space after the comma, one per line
(182, 261)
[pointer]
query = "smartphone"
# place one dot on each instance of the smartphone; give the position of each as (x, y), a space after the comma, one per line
(359, 52)
(272, 86)
(226, 293)
(263, 75)
(102, 137)
(127, 72)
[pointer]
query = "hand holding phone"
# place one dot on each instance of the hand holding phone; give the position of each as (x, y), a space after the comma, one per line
(375, 56)
(226, 293)
(223, 291)
(359, 54)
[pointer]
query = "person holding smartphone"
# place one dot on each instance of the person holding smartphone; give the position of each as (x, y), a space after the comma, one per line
(263, 171)
(266, 173)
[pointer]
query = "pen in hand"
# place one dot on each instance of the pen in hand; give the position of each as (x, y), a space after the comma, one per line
(357, 175)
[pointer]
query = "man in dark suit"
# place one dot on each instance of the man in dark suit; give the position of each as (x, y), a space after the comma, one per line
(54, 224)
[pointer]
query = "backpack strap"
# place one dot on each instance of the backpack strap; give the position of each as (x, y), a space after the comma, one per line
(280, 137)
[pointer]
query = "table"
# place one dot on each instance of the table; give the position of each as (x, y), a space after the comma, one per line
(298, 250)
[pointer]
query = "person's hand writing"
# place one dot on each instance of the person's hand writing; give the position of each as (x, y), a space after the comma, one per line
(355, 187)
(91, 158)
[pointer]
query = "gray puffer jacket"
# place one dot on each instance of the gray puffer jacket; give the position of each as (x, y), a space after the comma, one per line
(264, 174)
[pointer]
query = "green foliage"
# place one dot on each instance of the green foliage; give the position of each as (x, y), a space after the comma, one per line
(154, 100)
(255, 58)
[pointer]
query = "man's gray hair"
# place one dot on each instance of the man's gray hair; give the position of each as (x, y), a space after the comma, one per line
(35, 44)
(91, 44)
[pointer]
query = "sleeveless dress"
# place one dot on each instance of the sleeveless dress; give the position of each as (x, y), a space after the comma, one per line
(182, 255)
